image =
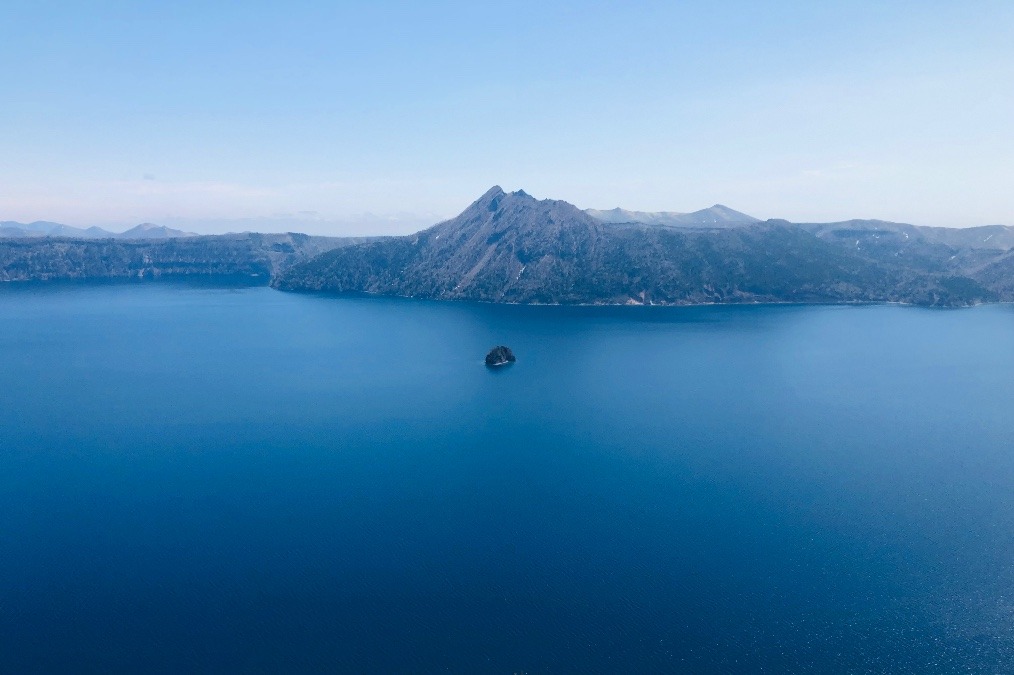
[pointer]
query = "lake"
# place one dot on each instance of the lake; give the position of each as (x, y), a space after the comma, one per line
(195, 478)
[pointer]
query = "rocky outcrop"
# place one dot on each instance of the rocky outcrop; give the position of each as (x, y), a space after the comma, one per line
(500, 356)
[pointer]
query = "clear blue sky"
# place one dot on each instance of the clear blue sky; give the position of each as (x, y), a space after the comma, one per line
(217, 114)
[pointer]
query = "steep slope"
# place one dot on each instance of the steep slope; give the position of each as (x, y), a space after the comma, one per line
(505, 247)
(510, 247)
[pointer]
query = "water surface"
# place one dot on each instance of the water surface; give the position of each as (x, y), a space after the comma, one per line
(212, 478)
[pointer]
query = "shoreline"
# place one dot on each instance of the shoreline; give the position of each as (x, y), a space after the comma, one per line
(257, 281)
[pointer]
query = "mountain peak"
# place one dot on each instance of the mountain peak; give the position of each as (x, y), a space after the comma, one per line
(497, 192)
(719, 213)
(153, 231)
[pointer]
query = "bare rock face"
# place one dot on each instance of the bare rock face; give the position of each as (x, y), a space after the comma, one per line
(500, 356)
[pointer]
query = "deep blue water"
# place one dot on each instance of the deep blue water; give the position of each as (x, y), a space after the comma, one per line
(207, 479)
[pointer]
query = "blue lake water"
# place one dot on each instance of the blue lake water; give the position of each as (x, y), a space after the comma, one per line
(209, 479)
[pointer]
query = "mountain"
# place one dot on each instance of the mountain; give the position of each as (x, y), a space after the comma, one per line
(511, 247)
(46, 229)
(152, 231)
(715, 216)
(41, 228)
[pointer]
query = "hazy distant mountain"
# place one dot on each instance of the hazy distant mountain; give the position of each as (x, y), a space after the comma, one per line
(715, 216)
(510, 247)
(47, 229)
(152, 231)
(41, 228)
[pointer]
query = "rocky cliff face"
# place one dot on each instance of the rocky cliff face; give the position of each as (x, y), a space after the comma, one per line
(510, 247)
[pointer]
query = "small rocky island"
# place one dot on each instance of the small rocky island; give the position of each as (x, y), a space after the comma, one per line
(500, 356)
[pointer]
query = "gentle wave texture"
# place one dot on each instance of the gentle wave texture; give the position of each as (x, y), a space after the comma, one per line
(210, 479)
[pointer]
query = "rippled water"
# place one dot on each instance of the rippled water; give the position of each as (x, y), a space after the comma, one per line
(220, 479)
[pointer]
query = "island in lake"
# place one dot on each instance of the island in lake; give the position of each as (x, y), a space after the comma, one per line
(500, 356)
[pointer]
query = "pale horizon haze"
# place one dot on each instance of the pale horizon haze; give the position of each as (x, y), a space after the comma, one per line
(383, 118)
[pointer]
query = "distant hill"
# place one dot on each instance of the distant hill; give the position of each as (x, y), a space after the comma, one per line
(46, 229)
(511, 247)
(254, 256)
(990, 237)
(152, 231)
(715, 216)
(42, 228)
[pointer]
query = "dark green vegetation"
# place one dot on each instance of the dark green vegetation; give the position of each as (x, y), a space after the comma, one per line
(510, 247)
(247, 255)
